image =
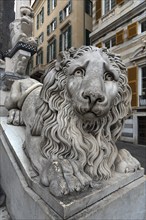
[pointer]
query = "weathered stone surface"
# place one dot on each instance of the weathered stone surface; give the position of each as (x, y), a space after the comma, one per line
(72, 204)
(2, 64)
(4, 214)
(128, 203)
(18, 63)
(73, 120)
(21, 28)
(31, 206)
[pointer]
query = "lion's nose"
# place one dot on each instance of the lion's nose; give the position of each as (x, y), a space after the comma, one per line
(93, 97)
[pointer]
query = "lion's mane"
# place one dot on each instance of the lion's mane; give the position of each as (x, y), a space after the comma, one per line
(64, 134)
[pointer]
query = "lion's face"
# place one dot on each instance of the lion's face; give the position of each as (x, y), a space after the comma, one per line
(92, 85)
(26, 19)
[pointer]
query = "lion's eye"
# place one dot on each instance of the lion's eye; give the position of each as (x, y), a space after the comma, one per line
(108, 76)
(79, 72)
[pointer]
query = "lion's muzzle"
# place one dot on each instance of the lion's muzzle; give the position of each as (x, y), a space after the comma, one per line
(93, 97)
(92, 104)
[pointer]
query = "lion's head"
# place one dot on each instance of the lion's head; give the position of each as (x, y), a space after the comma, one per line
(85, 100)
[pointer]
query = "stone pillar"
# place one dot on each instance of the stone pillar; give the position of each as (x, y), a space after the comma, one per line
(14, 62)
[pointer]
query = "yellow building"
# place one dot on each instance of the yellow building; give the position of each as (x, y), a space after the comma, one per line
(120, 25)
(59, 25)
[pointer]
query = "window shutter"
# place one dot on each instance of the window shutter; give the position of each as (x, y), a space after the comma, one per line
(43, 37)
(70, 6)
(48, 7)
(87, 37)
(48, 53)
(132, 79)
(69, 36)
(54, 52)
(55, 3)
(48, 30)
(55, 26)
(61, 16)
(119, 1)
(120, 37)
(42, 15)
(60, 42)
(132, 30)
(98, 9)
(99, 44)
(37, 22)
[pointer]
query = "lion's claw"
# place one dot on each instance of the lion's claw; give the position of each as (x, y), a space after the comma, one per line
(63, 177)
(52, 176)
(126, 163)
(15, 117)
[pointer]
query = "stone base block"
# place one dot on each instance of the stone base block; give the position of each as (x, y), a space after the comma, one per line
(120, 198)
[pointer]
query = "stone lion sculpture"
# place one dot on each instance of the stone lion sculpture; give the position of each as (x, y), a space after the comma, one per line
(21, 29)
(74, 118)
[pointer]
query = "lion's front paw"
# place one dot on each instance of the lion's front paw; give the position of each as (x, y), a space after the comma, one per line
(126, 163)
(15, 117)
(63, 178)
(52, 176)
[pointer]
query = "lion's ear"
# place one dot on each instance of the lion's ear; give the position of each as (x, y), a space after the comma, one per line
(62, 56)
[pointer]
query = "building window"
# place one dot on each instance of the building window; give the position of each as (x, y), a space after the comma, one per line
(110, 42)
(65, 12)
(51, 50)
(88, 7)
(40, 18)
(52, 26)
(65, 39)
(41, 39)
(143, 26)
(142, 96)
(108, 5)
(87, 37)
(144, 80)
(51, 5)
(39, 57)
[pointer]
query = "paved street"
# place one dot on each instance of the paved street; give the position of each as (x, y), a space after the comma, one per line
(138, 151)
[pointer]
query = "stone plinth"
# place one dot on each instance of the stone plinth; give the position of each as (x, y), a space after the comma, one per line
(18, 63)
(123, 197)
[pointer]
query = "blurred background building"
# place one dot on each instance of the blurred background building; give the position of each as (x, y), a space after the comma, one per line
(59, 25)
(120, 25)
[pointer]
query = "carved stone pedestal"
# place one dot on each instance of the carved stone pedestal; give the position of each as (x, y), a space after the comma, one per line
(123, 197)
(18, 63)
(17, 59)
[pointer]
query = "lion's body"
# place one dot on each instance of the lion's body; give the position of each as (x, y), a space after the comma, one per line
(72, 123)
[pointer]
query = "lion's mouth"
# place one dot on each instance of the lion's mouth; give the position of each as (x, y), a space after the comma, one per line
(90, 114)
(93, 115)
(25, 21)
